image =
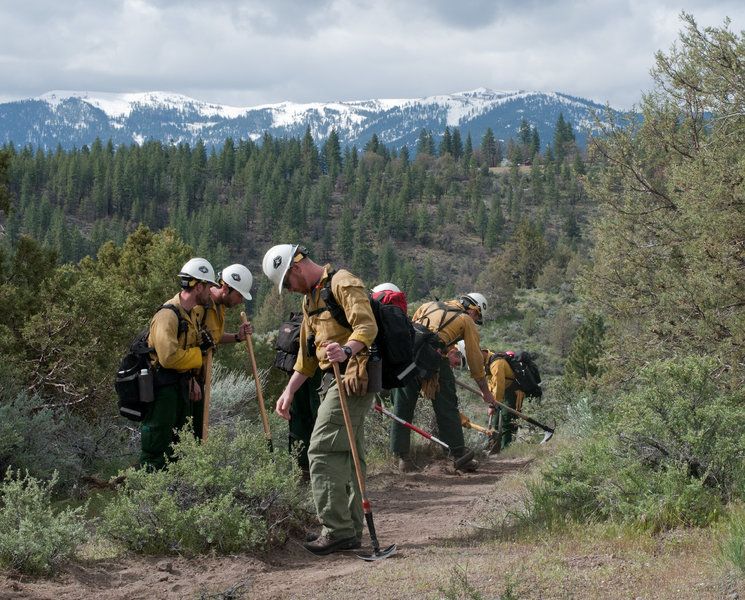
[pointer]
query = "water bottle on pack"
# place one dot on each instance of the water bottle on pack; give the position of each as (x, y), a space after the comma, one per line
(145, 385)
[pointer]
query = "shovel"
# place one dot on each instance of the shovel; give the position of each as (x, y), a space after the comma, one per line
(259, 395)
(457, 462)
(377, 553)
(549, 430)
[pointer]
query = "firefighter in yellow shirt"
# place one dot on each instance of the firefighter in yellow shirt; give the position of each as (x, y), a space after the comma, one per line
(451, 321)
(323, 341)
(179, 344)
(503, 386)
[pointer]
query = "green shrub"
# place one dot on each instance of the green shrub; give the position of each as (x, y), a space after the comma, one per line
(32, 440)
(34, 539)
(227, 494)
(663, 460)
(732, 545)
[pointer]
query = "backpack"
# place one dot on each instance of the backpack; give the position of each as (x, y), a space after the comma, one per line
(394, 343)
(134, 380)
(527, 376)
(428, 347)
(288, 342)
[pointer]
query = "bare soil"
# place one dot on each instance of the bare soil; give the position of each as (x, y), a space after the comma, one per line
(441, 554)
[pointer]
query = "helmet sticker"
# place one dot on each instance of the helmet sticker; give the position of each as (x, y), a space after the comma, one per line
(277, 261)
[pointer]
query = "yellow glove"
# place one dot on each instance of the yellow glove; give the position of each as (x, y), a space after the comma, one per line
(355, 377)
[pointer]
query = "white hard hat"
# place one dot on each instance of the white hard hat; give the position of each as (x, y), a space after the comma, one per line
(382, 287)
(475, 300)
(278, 260)
(198, 269)
(461, 347)
(238, 278)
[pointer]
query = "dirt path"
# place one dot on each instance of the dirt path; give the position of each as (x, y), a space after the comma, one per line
(417, 512)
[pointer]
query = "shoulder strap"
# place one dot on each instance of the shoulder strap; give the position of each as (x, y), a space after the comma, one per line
(183, 325)
(445, 310)
(331, 304)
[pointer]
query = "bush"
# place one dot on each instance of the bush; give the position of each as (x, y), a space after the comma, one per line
(33, 538)
(224, 494)
(663, 460)
(31, 441)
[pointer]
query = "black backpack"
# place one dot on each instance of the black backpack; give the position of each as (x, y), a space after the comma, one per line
(527, 376)
(288, 342)
(428, 348)
(394, 343)
(134, 379)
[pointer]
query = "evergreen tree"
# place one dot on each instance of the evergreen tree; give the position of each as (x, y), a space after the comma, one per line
(457, 145)
(668, 258)
(446, 144)
(489, 148)
(345, 234)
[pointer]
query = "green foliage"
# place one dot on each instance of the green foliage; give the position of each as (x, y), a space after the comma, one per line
(732, 544)
(32, 440)
(582, 362)
(668, 255)
(227, 494)
(5, 204)
(664, 458)
(34, 538)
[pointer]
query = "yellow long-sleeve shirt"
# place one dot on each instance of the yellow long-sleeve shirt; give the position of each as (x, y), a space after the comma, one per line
(214, 320)
(501, 375)
(461, 327)
(349, 292)
(170, 350)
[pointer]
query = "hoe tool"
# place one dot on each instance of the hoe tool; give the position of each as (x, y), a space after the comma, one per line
(549, 430)
(457, 462)
(466, 424)
(259, 395)
(494, 436)
(377, 554)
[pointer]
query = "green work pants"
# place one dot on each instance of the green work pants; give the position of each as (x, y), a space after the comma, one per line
(509, 421)
(303, 412)
(445, 405)
(333, 479)
(168, 412)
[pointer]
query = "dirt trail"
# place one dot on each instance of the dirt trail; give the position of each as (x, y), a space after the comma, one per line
(415, 512)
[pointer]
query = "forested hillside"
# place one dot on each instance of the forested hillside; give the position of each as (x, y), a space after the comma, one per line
(378, 212)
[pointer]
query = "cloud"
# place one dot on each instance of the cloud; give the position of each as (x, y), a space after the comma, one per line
(264, 51)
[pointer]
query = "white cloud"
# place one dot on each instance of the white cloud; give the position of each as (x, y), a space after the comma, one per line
(263, 51)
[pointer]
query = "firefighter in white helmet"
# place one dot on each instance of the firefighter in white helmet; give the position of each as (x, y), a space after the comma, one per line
(452, 321)
(235, 286)
(180, 342)
(325, 340)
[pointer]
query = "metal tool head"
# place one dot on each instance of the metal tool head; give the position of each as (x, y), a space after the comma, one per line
(378, 554)
(466, 458)
(549, 434)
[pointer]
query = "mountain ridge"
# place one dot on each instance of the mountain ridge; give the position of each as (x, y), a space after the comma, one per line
(74, 118)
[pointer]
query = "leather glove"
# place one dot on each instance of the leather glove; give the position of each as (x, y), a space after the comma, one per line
(208, 342)
(355, 377)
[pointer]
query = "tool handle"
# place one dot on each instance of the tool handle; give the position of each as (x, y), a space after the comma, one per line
(259, 394)
(507, 408)
(429, 436)
(207, 386)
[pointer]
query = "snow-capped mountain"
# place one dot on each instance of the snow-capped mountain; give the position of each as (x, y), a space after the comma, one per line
(77, 118)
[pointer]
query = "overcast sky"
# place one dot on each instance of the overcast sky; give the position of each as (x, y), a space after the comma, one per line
(252, 52)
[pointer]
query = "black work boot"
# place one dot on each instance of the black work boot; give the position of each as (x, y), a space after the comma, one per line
(324, 545)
